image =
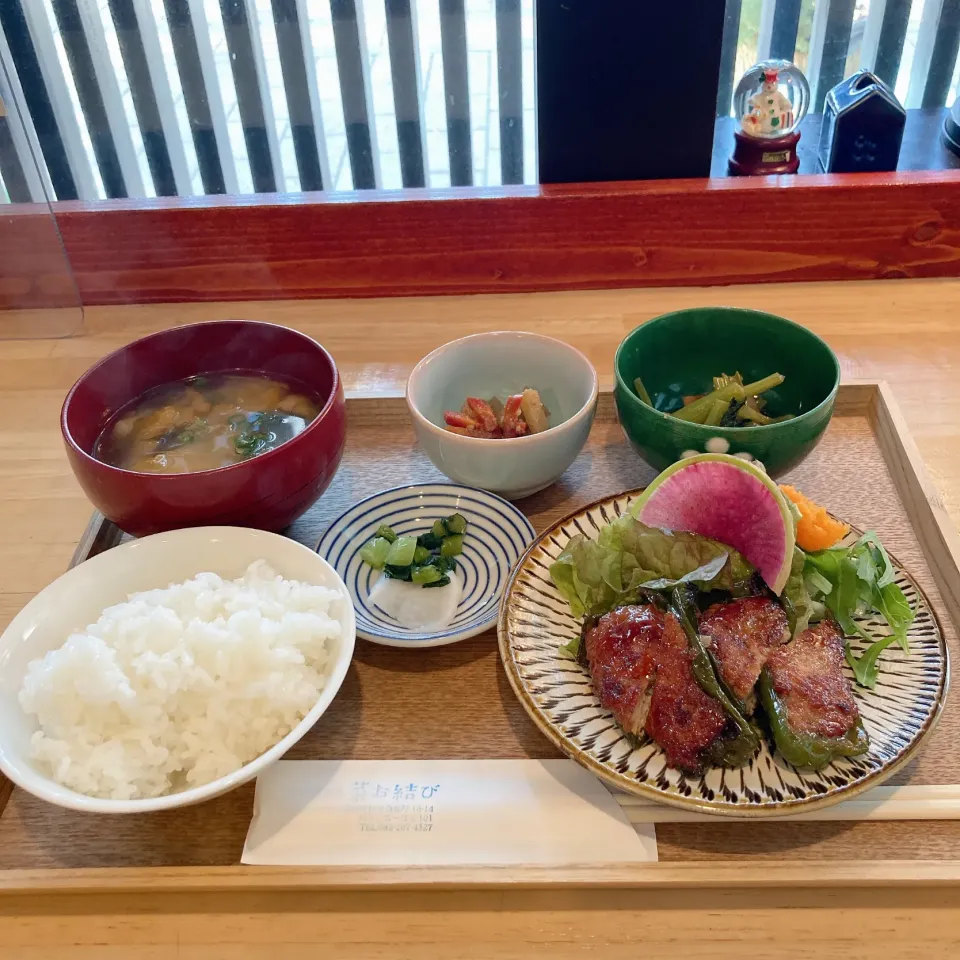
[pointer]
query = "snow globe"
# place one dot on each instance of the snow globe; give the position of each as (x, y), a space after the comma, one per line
(770, 101)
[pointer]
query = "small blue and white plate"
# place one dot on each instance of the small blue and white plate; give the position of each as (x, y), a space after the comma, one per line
(498, 535)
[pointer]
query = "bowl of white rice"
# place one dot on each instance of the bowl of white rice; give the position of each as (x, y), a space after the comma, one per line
(170, 669)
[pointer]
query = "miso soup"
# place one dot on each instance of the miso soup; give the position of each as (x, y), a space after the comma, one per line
(204, 422)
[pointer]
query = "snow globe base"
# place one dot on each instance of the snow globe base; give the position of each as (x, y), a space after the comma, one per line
(755, 157)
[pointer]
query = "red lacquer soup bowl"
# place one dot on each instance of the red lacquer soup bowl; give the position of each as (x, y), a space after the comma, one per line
(268, 491)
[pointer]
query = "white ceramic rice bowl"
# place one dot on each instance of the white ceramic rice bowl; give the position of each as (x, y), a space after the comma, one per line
(78, 598)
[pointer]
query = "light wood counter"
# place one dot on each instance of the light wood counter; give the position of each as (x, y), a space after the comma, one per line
(906, 332)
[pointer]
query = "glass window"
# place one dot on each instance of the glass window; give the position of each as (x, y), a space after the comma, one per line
(139, 98)
(910, 44)
(143, 98)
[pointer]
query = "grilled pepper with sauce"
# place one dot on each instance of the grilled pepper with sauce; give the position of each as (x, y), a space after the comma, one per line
(742, 740)
(809, 702)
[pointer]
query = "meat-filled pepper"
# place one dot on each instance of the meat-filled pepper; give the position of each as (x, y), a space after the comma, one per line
(741, 741)
(809, 702)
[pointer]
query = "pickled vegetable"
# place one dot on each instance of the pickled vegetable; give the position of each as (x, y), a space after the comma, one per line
(425, 575)
(456, 524)
(425, 560)
(374, 552)
(452, 547)
(401, 551)
(816, 529)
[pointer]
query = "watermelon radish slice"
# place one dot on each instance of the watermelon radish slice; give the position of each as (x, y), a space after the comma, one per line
(727, 499)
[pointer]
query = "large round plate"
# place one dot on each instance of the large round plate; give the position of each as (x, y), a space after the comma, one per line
(497, 535)
(557, 693)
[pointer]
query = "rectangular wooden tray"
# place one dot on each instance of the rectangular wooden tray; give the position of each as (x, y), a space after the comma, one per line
(455, 701)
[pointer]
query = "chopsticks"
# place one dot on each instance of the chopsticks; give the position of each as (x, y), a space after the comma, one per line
(931, 802)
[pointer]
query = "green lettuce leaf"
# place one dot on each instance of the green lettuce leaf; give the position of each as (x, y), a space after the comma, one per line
(817, 584)
(893, 606)
(866, 668)
(881, 559)
(703, 575)
(595, 576)
(798, 595)
(571, 649)
(860, 579)
(582, 574)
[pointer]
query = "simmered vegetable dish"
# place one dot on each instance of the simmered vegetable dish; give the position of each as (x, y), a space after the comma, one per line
(731, 403)
(204, 422)
(522, 414)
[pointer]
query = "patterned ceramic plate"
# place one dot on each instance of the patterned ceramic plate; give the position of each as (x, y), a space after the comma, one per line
(557, 693)
(497, 535)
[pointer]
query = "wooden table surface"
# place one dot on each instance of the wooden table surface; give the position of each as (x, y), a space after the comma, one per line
(907, 332)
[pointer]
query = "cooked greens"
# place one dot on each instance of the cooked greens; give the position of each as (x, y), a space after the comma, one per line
(731, 402)
(251, 440)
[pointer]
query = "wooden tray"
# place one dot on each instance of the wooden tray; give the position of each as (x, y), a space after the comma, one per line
(455, 701)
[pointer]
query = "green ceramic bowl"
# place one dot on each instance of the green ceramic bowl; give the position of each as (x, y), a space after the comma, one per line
(679, 353)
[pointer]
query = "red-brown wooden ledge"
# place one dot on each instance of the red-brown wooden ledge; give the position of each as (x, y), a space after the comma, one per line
(656, 233)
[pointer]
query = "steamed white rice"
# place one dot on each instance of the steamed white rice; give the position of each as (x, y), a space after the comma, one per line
(177, 687)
